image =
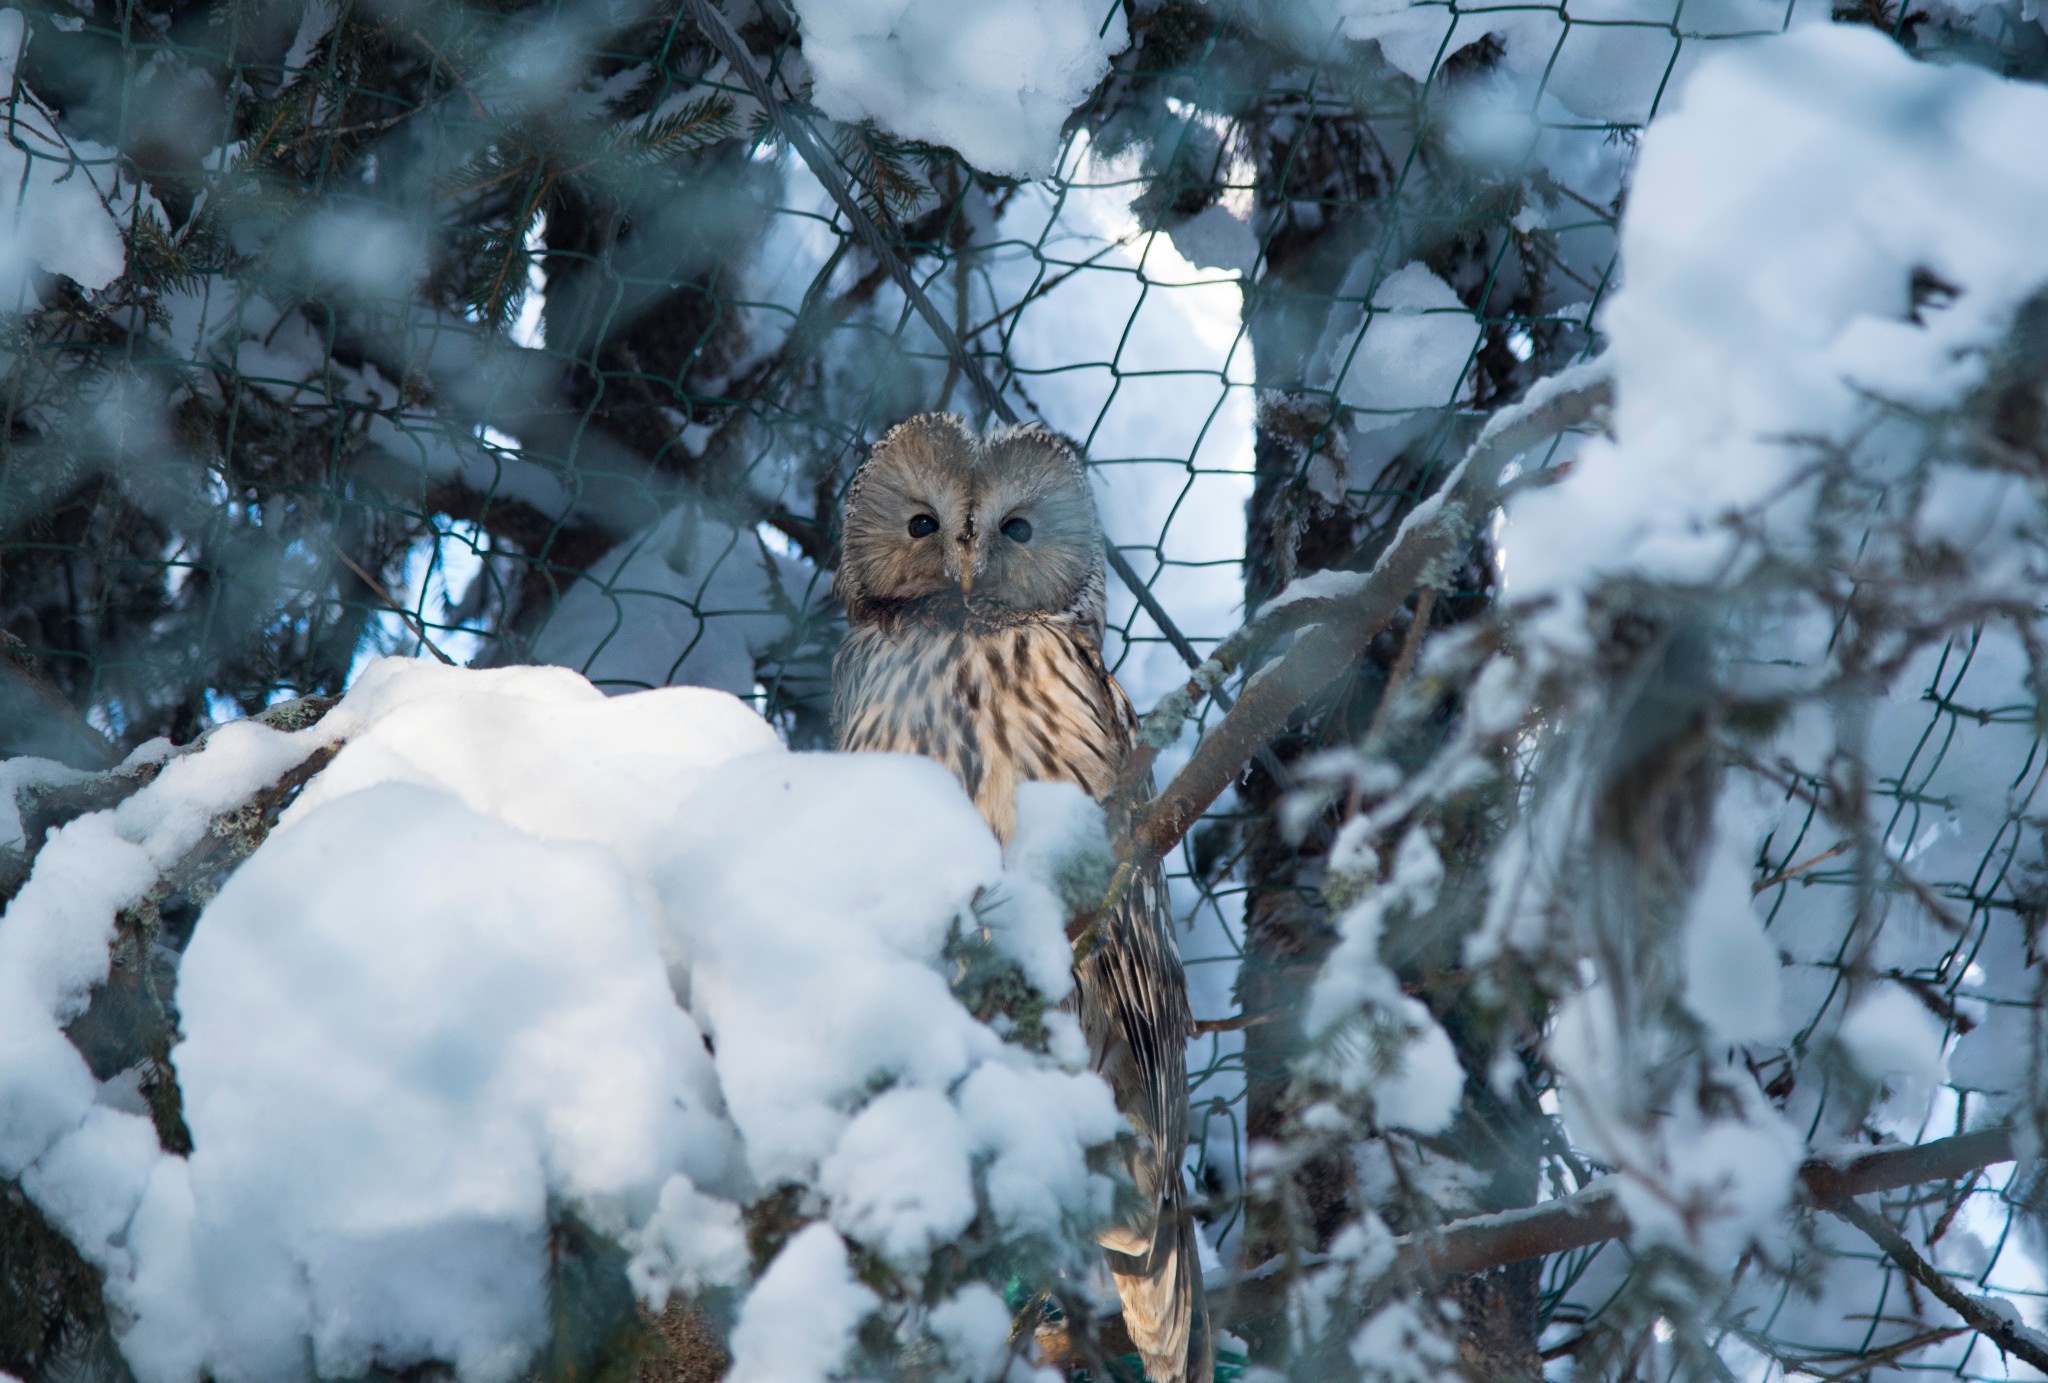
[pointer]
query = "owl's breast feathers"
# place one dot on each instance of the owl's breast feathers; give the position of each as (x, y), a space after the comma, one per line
(998, 701)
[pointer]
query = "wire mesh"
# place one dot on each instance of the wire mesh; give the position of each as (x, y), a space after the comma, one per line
(404, 362)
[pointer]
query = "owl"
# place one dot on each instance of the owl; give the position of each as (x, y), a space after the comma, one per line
(972, 575)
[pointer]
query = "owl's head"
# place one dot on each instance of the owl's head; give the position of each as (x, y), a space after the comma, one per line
(999, 522)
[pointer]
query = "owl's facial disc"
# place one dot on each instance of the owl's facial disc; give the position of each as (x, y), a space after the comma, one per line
(1002, 522)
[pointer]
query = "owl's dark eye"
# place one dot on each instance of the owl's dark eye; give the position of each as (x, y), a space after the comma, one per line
(923, 526)
(1017, 530)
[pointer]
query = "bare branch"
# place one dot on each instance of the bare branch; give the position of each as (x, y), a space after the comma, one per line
(376, 588)
(1404, 663)
(1980, 1315)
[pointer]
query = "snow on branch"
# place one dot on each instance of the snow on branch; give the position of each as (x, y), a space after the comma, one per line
(496, 974)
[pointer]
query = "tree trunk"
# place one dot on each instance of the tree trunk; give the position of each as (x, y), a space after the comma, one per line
(1315, 507)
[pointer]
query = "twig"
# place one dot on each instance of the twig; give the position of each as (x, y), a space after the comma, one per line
(1956, 1201)
(1481, 1243)
(1793, 871)
(1404, 662)
(2010, 1336)
(1235, 1023)
(377, 589)
(435, 53)
(1594, 1215)
(1862, 1363)
(1841, 816)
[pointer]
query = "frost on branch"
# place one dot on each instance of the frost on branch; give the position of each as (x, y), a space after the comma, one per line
(526, 977)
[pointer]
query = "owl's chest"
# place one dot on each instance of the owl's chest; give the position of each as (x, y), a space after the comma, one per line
(1023, 704)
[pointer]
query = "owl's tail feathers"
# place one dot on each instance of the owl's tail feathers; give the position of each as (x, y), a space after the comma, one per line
(1165, 1310)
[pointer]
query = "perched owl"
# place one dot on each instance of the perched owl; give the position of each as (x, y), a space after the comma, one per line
(972, 576)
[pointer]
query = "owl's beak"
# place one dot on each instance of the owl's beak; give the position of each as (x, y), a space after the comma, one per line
(967, 564)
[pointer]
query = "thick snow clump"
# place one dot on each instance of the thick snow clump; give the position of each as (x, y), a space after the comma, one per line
(1779, 222)
(62, 201)
(521, 949)
(992, 79)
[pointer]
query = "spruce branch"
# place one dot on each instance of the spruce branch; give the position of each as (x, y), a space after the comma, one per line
(695, 125)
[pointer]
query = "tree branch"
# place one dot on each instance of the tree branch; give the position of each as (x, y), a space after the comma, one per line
(1594, 1215)
(1980, 1315)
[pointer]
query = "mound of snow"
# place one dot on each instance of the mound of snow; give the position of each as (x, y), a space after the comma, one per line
(521, 949)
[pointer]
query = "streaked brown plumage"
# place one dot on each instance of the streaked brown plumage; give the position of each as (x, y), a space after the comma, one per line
(979, 643)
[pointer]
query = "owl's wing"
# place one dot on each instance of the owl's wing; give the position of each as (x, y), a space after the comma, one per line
(1143, 1008)
(1137, 1005)
(1135, 1011)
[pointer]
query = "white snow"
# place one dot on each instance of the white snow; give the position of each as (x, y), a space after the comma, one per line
(475, 979)
(993, 79)
(1417, 342)
(900, 1178)
(797, 1325)
(1696, 1174)
(1890, 1034)
(62, 202)
(1399, 1344)
(690, 1241)
(1773, 228)
(386, 1093)
(1731, 969)
(54, 933)
(1326, 584)
(1062, 839)
(1378, 1041)
(973, 1326)
(17, 776)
